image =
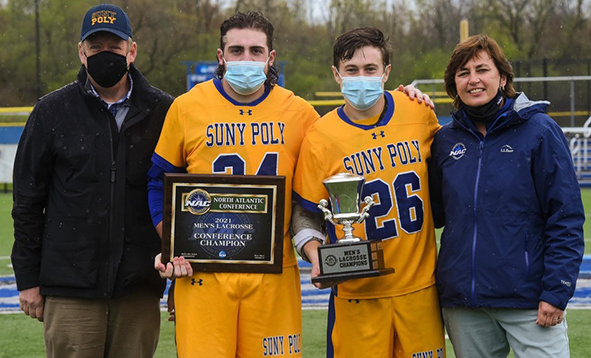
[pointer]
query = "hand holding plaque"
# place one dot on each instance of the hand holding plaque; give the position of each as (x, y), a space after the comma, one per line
(351, 257)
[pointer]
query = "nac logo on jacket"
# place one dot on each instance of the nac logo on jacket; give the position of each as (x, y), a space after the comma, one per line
(197, 202)
(458, 151)
(103, 17)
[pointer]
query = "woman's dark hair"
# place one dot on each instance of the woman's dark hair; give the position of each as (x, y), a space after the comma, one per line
(467, 50)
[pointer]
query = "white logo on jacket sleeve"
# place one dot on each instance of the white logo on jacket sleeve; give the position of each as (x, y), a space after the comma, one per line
(458, 151)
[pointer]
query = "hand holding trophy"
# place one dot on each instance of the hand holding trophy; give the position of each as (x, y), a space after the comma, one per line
(351, 257)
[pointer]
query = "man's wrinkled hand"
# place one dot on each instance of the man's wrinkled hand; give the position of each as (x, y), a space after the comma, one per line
(31, 303)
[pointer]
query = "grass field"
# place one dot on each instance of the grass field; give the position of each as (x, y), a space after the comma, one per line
(22, 337)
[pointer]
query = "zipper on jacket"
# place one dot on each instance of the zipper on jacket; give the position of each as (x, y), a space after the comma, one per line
(475, 234)
(111, 279)
(113, 171)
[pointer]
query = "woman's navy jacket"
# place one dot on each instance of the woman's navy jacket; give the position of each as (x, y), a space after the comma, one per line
(511, 206)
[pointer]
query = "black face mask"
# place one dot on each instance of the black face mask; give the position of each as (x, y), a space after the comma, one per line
(106, 68)
(486, 112)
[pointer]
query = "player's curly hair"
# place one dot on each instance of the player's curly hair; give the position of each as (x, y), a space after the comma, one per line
(250, 20)
(349, 42)
(467, 50)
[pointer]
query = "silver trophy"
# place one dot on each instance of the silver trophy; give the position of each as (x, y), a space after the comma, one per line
(344, 191)
(351, 257)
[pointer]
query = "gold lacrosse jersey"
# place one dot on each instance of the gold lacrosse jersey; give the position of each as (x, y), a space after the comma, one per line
(392, 157)
(207, 132)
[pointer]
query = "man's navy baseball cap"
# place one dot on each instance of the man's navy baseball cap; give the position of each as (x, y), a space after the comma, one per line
(106, 17)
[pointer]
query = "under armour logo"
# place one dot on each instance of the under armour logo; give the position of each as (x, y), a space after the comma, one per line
(356, 301)
(200, 282)
(381, 134)
(249, 112)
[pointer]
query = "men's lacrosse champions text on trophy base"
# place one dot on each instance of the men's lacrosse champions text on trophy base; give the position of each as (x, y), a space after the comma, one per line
(351, 257)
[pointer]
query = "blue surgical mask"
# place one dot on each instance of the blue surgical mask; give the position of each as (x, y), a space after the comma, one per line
(245, 77)
(362, 92)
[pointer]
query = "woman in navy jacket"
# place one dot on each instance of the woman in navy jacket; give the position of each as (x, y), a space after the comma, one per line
(504, 187)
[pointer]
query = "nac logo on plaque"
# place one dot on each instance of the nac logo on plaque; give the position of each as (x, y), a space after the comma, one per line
(197, 202)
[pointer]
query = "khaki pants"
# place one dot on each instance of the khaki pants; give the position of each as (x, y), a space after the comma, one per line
(125, 327)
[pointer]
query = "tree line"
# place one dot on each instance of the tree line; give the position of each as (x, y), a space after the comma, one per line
(422, 32)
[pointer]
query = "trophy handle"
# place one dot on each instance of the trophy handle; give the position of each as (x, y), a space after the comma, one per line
(323, 205)
(365, 211)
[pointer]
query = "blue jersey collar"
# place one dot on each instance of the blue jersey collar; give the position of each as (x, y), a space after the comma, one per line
(218, 84)
(382, 122)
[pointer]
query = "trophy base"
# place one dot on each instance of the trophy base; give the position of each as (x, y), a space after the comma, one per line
(352, 275)
(351, 260)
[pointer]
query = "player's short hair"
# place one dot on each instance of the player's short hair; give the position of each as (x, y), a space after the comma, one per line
(249, 20)
(467, 50)
(349, 42)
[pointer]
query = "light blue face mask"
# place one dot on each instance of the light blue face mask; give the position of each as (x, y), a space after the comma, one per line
(362, 92)
(245, 77)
